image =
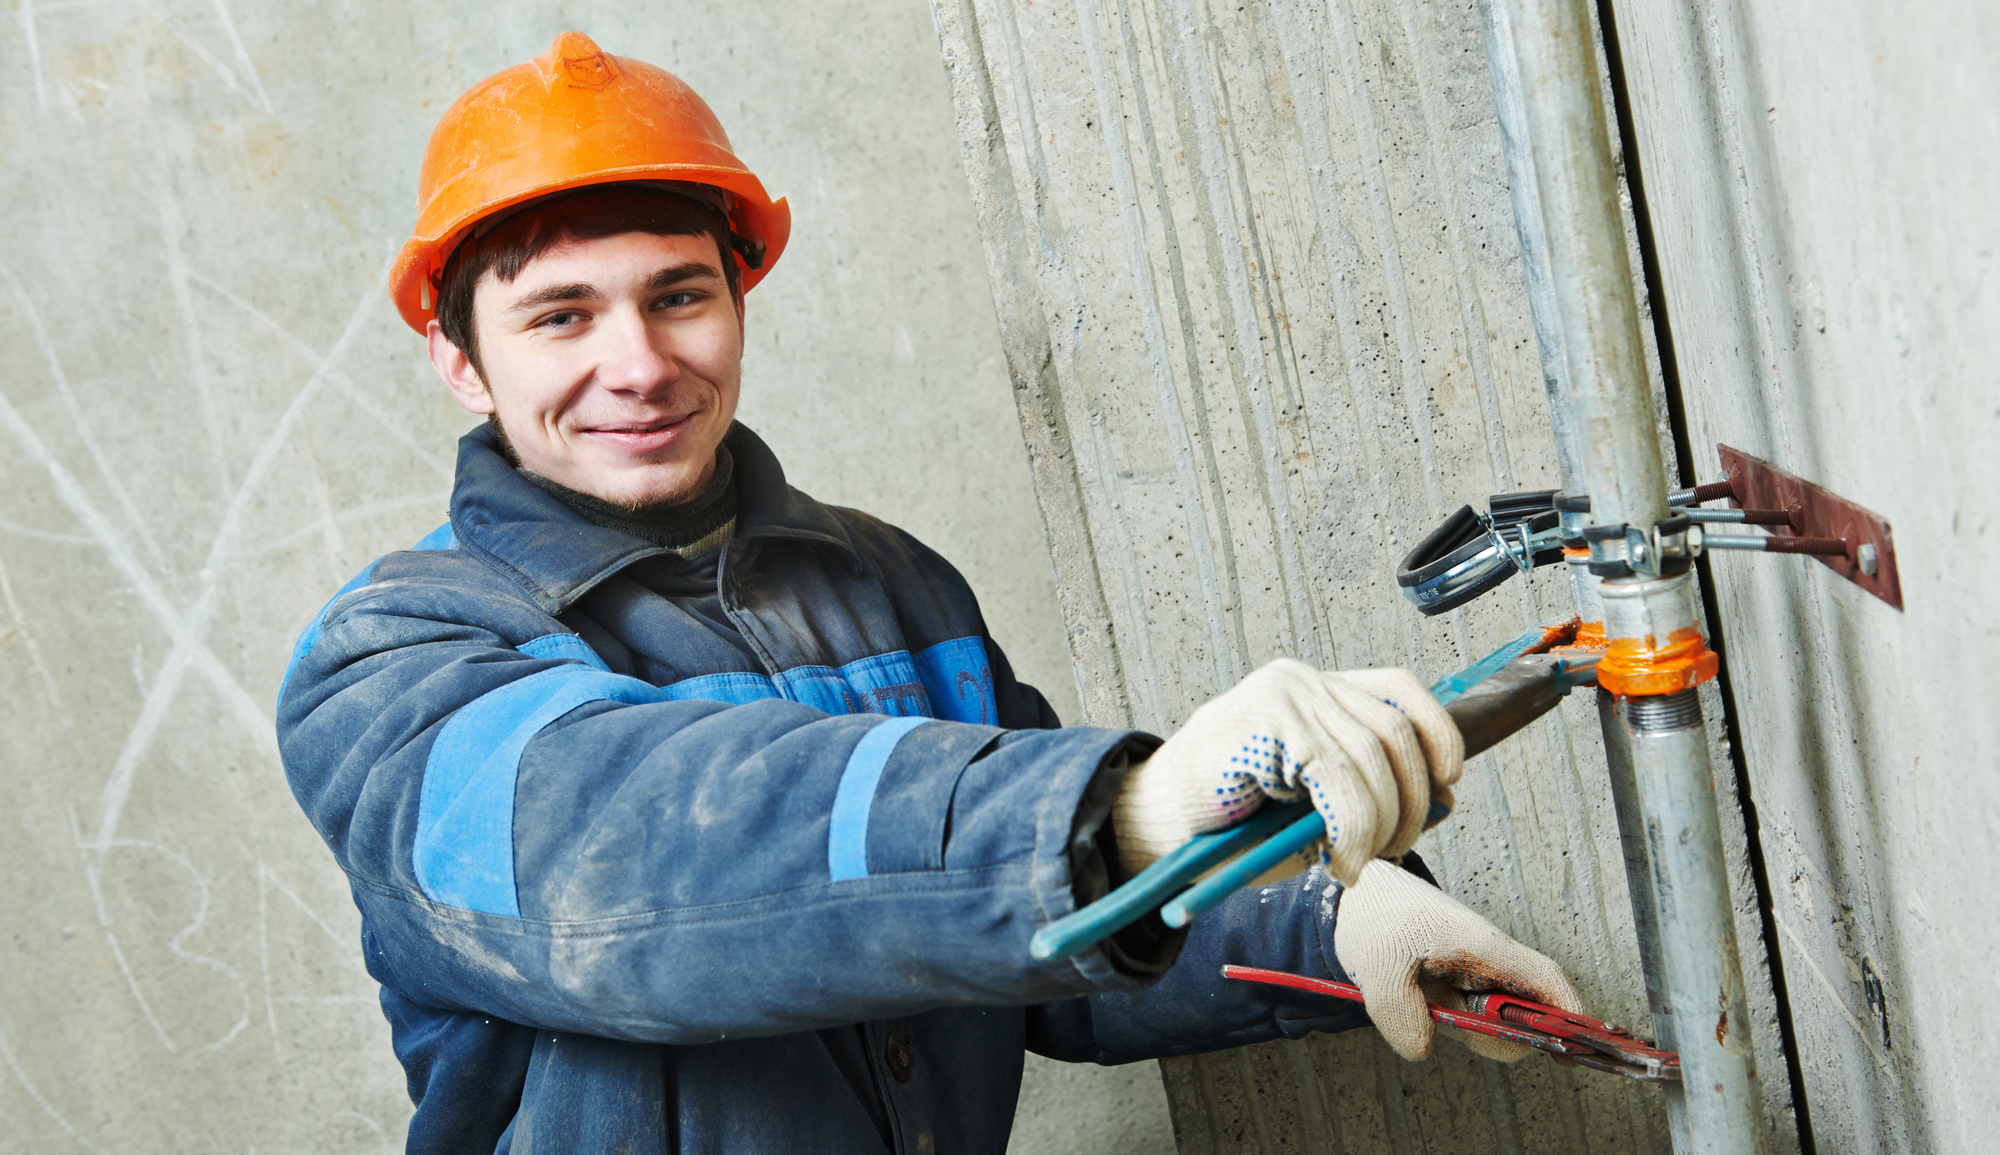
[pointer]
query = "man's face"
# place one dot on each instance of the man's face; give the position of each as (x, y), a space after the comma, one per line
(613, 365)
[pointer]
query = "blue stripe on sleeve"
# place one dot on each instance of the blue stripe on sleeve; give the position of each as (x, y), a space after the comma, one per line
(887, 684)
(310, 637)
(950, 680)
(736, 688)
(960, 680)
(440, 538)
(820, 687)
(464, 849)
(563, 646)
(847, 835)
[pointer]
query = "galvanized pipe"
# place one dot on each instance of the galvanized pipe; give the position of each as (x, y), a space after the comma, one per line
(1668, 748)
(1604, 354)
(1511, 110)
(1527, 201)
(1609, 400)
(1645, 902)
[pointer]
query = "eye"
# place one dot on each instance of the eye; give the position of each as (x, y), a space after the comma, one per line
(679, 298)
(559, 320)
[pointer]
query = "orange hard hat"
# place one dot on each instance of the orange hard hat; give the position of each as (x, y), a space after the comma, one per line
(571, 117)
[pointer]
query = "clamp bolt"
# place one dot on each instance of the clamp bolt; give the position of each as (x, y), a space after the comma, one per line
(1865, 558)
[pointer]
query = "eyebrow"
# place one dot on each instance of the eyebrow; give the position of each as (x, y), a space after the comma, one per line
(577, 291)
(583, 291)
(674, 274)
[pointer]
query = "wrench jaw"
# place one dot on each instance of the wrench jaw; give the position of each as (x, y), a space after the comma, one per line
(1601, 1045)
(1651, 1072)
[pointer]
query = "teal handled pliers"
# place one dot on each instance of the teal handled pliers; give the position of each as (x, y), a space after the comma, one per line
(1490, 699)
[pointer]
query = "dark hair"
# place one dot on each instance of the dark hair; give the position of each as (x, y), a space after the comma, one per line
(584, 215)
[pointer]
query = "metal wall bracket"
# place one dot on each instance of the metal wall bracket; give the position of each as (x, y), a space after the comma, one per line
(1870, 561)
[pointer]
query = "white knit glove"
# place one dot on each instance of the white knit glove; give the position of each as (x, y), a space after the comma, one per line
(1371, 748)
(1405, 944)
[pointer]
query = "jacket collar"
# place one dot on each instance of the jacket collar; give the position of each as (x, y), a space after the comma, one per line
(556, 556)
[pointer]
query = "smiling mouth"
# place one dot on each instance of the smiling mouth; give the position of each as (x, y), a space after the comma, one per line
(642, 436)
(653, 426)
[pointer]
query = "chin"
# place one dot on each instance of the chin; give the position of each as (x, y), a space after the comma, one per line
(652, 488)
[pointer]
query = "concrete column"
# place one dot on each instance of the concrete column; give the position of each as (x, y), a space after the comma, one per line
(1265, 310)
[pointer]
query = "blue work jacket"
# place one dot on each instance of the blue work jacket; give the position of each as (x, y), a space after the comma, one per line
(737, 853)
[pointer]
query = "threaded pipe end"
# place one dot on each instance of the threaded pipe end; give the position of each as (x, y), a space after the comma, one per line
(1657, 713)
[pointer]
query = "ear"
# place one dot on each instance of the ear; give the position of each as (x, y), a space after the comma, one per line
(455, 369)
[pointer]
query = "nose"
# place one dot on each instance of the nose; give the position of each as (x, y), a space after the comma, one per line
(637, 358)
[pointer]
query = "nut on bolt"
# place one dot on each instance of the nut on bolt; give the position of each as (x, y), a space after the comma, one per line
(1865, 557)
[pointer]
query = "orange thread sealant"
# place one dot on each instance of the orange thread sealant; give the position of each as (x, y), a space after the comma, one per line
(1589, 642)
(1640, 667)
(1555, 636)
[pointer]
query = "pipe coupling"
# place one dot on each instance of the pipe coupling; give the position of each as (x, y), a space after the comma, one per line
(1655, 646)
(1640, 667)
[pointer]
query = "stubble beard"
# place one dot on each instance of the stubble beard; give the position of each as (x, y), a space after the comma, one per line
(506, 444)
(513, 458)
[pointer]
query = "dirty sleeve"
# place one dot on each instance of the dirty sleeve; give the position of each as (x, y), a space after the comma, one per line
(536, 838)
(1286, 926)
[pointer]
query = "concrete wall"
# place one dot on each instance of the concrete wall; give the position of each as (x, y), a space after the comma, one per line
(1265, 322)
(1821, 181)
(211, 417)
(1262, 299)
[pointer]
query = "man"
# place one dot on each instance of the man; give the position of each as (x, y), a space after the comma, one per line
(685, 813)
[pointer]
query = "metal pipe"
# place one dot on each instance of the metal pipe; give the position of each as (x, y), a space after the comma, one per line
(1668, 747)
(1611, 404)
(1604, 353)
(1534, 241)
(1527, 202)
(1645, 903)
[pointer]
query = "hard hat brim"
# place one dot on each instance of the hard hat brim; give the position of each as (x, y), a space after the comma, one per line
(419, 267)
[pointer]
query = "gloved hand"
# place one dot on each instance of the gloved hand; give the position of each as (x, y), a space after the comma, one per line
(1405, 943)
(1371, 748)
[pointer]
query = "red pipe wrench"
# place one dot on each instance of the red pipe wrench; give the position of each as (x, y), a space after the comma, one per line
(1565, 1036)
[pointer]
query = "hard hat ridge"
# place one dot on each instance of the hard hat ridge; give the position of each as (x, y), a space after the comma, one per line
(576, 59)
(572, 117)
